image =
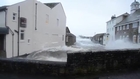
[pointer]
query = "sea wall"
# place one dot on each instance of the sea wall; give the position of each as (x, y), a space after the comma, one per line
(78, 64)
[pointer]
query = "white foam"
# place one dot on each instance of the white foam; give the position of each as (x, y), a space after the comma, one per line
(82, 45)
(121, 44)
(60, 53)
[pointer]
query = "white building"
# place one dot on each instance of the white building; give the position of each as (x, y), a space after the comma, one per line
(110, 26)
(28, 26)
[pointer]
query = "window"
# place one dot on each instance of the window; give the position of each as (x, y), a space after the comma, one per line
(117, 28)
(47, 18)
(14, 16)
(134, 30)
(120, 27)
(57, 22)
(120, 37)
(22, 37)
(124, 27)
(101, 39)
(123, 37)
(127, 27)
(135, 25)
(127, 37)
(23, 22)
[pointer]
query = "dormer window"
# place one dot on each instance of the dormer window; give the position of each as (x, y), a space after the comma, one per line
(23, 22)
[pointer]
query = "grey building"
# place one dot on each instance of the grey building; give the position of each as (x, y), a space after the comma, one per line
(70, 38)
(98, 38)
(128, 28)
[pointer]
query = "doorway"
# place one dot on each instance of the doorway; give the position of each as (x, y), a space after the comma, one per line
(2, 48)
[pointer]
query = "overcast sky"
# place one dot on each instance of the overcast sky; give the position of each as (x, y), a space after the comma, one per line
(87, 17)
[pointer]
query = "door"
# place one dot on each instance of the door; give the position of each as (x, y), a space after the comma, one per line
(1, 42)
(2, 52)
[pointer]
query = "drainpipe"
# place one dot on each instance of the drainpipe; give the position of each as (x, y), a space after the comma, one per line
(18, 30)
(10, 32)
(36, 16)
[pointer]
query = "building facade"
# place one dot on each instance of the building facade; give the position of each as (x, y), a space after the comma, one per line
(70, 38)
(99, 38)
(110, 26)
(30, 25)
(128, 28)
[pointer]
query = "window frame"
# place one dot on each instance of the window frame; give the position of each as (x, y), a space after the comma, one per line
(22, 32)
(14, 16)
(127, 26)
(118, 28)
(23, 22)
(135, 25)
(123, 27)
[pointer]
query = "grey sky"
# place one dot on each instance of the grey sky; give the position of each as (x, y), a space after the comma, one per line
(85, 17)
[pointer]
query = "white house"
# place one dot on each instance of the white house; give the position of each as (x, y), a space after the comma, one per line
(30, 25)
(110, 26)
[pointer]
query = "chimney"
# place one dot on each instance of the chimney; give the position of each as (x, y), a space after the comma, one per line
(113, 17)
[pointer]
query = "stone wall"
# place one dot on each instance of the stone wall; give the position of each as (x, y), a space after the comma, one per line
(78, 64)
(103, 62)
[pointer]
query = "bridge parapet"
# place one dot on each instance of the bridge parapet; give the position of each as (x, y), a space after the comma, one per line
(89, 63)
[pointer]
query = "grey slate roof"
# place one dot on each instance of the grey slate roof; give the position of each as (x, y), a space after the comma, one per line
(2, 8)
(67, 30)
(131, 17)
(51, 5)
(100, 34)
(4, 30)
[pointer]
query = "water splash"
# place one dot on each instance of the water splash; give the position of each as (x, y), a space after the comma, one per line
(82, 45)
(60, 53)
(121, 45)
